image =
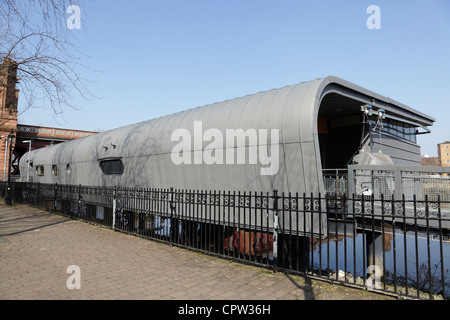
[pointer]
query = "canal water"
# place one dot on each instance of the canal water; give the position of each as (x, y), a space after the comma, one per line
(411, 259)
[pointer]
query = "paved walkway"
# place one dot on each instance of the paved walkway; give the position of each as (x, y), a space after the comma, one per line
(38, 247)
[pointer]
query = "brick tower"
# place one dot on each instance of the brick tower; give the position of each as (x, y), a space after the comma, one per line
(8, 109)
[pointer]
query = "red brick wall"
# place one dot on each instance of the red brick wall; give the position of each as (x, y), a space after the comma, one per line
(8, 108)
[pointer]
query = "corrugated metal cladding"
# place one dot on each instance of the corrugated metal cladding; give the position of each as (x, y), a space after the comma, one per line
(145, 148)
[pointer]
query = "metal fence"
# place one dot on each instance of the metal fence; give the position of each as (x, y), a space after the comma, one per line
(386, 245)
(410, 181)
(335, 181)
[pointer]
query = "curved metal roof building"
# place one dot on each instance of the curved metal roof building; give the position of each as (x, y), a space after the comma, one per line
(317, 126)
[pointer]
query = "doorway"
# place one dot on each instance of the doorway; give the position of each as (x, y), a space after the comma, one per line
(340, 130)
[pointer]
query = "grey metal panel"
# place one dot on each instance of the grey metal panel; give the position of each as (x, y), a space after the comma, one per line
(279, 181)
(293, 114)
(387, 102)
(310, 108)
(401, 151)
(312, 175)
(312, 170)
(397, 143)
(275, 107)
(400, 157)
(294, 172)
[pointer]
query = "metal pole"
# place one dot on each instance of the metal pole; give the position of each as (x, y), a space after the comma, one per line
(28, 171)
(114, 208)
(172, 207)
(6, 157)
(275, 230)
(11, 136)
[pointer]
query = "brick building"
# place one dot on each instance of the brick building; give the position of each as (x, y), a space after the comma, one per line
(444, 153)
(26, 136)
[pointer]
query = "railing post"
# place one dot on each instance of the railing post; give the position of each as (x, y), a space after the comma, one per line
(275, 230)
(351, 187)
(55, 197)
(398, 191)
(440, 246)
(114, 208)
(37, 193)
(79, 201)
(172, 208)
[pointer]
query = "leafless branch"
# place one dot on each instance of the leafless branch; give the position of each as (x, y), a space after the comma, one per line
(34, 35)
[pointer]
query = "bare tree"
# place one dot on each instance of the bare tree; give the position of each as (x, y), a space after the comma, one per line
(35, 38)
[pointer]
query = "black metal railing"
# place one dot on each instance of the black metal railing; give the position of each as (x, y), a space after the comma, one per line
(387, 245)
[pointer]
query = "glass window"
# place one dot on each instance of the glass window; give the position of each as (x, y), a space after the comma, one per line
(40, 171)
(411, 133)
(55, 170)
(401, 130)
(68, 169)
(407, 128)
(112, 166)
(391, 127)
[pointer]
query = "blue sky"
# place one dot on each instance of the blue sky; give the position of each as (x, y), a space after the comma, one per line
(152, 58)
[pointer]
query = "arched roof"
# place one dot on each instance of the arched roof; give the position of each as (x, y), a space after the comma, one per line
(293, 110)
